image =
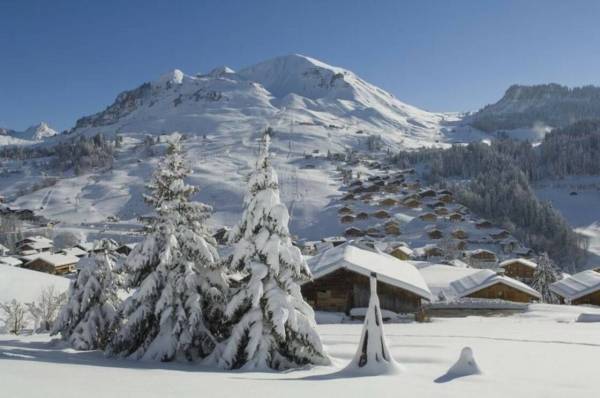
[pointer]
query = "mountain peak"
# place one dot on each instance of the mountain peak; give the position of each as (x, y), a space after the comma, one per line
(172, 77)
(221, 71)
(301, 75)
(39, 131)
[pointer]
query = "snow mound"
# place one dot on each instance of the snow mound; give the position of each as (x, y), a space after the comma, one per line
(585, 317)
(25, 285)
(465, 366)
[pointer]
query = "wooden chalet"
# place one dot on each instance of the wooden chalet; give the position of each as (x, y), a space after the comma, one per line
(460, 234)
(456, 217)
(353, 232)
(362, 216)
(483, 224)
(388, 202)
(347, 219)
(36, 244)
(487, 284)
(519, 268)
(381, 214)
(402, 252)
(429, 217)
(446, 198)
(481, 258)
(578, 289)
(500, 235)
(392, 229)
(345, 210)
(435, 234)
(57, 264)
(428, 193)
(441, 211)
(411, 203)
(341, 281)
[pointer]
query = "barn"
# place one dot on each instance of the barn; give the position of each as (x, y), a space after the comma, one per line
(580, 288)
(341, 281)
(519, 268)
(487, 284)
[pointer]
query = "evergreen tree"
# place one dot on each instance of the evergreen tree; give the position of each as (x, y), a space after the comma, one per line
(89, 318)
(544, 275)
(175, 273)
(273, 327)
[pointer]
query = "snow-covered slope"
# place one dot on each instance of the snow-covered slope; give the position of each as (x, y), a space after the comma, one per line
(26, 285)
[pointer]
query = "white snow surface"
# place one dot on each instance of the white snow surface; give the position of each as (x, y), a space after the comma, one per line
(541, 353)
(26, 285)
(389, 269)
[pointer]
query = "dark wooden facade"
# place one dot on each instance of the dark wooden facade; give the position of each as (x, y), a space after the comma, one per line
(591, 299)
(519, 271)
(343, 290)
(503, 292)
(41, 265)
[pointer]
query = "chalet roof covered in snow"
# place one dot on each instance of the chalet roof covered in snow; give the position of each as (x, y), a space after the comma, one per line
(87, 246)
(37, 245)
(389, 269)
(486, 278)
(577, 285)
(439, 277)
(38, 239)
(3, 249)
(8, 260)
(74, 251)
(522, 261)
(55, 259)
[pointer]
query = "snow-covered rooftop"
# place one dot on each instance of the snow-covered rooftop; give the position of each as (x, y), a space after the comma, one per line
(486, 278)
(74, 251)
(55, 259)
(389, 269)
(577, 285)
(38, 245)
(41, 239)
(523, 261)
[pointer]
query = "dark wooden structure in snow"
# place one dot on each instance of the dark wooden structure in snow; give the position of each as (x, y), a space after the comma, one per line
(341, 281)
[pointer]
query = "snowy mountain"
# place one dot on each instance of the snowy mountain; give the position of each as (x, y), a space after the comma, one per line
(539, 105)
(39, 132)
(312, 107)
(35, 133)
(276, 91)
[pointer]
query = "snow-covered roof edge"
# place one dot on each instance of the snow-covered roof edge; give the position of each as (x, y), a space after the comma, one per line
(383, 276)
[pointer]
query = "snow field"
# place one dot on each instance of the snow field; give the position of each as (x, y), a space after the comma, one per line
(542, 353)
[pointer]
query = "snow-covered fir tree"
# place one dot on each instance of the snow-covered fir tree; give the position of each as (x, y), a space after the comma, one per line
(89, 318)
(175, 273)
(543, 276)
(273, 327)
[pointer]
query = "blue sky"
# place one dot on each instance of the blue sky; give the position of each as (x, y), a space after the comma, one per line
(60, 60)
